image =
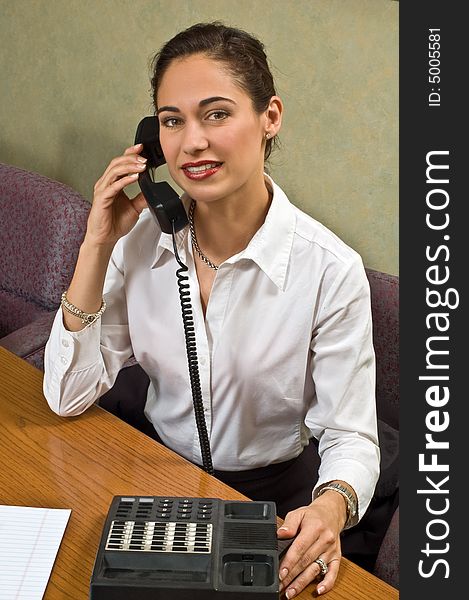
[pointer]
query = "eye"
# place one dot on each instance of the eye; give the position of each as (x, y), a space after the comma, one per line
(171, 122)
(218, 115)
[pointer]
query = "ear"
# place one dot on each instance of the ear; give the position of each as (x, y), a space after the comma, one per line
(273, 116)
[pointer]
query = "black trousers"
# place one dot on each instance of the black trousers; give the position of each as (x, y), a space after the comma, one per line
(288, 484)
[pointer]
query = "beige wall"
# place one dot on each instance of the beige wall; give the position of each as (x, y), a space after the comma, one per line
(74, 80)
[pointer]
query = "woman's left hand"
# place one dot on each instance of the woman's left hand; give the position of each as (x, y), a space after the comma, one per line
(317, 529)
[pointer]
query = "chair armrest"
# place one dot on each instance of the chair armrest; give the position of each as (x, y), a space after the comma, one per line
(29, 341)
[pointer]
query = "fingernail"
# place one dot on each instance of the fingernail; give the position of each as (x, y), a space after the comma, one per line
(283, 573)
(141, 159)
(321, 590)
(282, 529)
(290, 593)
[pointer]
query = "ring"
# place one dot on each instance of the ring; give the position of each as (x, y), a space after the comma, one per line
(322, 564)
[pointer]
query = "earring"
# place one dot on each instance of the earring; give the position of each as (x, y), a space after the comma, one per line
(267, 136)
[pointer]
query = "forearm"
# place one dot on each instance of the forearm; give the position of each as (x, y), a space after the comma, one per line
(353, 459)
(73, 368)
(79, 366)
(86, 288)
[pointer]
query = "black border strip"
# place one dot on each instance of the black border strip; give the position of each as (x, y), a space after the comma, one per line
(433, 250)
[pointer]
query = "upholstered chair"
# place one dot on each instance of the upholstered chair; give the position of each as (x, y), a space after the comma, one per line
(42, 224)
(385, 309)
(387, 563)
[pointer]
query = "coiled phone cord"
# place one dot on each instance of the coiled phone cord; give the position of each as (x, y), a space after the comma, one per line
(192, 360)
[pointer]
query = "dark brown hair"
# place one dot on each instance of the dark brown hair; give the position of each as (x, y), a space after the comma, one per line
(241, 52)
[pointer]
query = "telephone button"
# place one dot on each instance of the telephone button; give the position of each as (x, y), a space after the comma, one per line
(163, 515)
(184, 511)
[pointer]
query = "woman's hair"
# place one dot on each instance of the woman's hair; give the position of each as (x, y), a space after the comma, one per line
(242, 53)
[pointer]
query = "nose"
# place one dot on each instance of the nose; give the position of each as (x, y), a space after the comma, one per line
(194, 138)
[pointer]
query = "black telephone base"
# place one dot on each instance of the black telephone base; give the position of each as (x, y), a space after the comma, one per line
(156, 547)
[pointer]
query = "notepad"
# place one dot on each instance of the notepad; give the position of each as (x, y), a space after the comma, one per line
(29, 541)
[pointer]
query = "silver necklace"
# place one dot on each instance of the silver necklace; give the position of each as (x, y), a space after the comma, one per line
(206, 260)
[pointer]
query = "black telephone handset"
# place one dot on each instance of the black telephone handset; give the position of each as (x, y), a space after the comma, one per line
(162, 200)
(169, 211)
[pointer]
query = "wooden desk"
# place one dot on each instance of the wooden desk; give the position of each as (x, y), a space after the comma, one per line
(82, 462)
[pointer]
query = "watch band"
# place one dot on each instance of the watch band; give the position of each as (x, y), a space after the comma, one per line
(349, 498)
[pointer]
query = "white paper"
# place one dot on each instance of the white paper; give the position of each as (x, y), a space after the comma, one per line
(29, 541)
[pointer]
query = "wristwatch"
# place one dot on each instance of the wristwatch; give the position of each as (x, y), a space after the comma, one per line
(349, 498)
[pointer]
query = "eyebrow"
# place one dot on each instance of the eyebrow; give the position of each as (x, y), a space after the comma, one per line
(201, 103)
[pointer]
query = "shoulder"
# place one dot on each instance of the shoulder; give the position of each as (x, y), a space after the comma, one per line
(311, 235)
(318, 235)
(140, 243)
(146, 224)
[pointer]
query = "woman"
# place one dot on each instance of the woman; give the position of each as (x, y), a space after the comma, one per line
(281, 307)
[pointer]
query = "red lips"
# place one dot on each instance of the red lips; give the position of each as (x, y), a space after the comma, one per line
(201, 169)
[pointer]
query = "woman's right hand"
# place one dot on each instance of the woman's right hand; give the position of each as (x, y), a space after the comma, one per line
(113, 214)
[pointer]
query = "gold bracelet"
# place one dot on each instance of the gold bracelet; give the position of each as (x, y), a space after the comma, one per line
(86, 318)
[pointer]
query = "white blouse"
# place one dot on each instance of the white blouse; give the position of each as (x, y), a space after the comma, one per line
(285, 349)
